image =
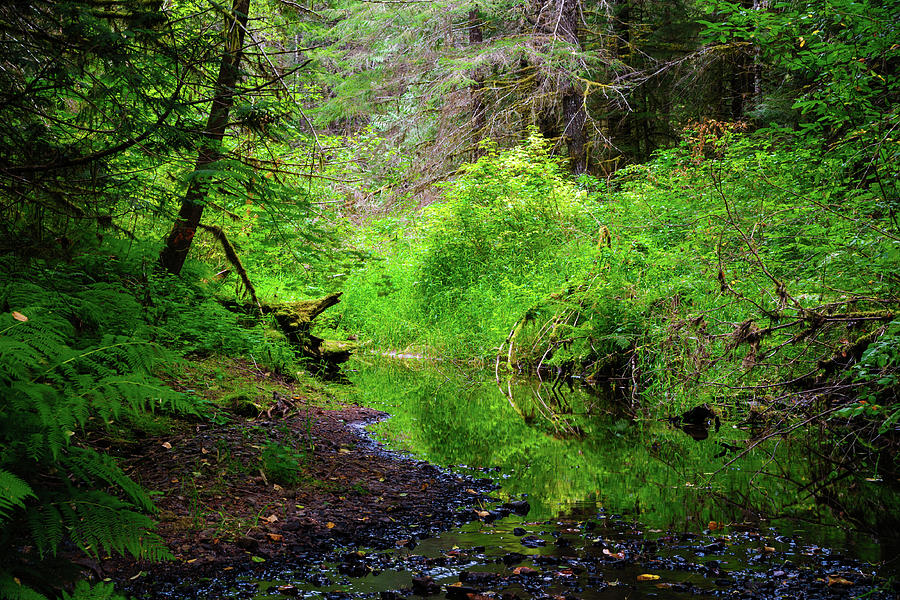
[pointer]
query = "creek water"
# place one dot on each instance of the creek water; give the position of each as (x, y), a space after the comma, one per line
(619, 507)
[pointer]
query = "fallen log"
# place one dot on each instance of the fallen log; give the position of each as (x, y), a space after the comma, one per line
(294, 320)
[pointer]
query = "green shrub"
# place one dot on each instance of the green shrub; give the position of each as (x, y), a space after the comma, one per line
(511, 229)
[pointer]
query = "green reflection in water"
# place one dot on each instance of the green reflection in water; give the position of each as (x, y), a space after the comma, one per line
(564, 447)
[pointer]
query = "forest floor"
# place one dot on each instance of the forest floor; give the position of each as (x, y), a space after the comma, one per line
(229, 493)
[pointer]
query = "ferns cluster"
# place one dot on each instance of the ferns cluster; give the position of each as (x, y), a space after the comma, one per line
(76, 355)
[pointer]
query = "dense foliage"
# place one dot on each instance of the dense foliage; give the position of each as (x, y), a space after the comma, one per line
(458, 170)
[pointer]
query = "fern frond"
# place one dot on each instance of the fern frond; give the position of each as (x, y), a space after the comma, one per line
(47, 528)
(13, 492)
(89, 466)
(13, 589)
(101, 524)
(85, 591)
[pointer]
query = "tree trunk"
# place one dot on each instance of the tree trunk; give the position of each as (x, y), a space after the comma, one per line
(477, 89)
(574, 115)
(185, 227)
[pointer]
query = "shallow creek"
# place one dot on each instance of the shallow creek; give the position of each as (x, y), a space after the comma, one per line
(616, 507)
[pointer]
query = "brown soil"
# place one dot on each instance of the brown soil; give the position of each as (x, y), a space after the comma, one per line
(220, 509)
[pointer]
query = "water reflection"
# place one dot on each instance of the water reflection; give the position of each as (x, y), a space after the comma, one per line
(567, 446)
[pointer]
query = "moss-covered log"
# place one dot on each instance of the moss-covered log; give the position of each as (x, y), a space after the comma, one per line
(294, 320)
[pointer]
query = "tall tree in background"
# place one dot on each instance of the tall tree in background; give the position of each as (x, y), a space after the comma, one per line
(182, 234)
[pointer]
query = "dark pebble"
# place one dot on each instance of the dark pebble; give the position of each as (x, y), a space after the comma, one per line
(519, 531)
(425, 586)
(353, 569)
(291, 525)
(247, 543)
(532, 541)
(478, 578)
(460, 592)
(520, 507)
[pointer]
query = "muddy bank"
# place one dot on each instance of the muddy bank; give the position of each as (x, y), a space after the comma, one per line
(221, 510)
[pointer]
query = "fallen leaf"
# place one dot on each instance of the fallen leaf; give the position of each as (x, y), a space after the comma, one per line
(713, 525)
(663, 586)
(191, 560)
(647, 577)
(838, 581)
(271, 518)
(471, 491)
(275, 537)
(330, 525)
(167, 445)
(768, 549)
(139, 574)
(525, 571)
(19, 316)
(617, 555)
(204, 451)
(258, 559)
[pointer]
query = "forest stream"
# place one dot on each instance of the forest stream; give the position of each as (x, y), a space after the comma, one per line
(589, 503)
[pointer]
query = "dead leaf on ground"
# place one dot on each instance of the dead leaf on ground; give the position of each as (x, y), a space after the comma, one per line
(167, 445)
(647, 577)
(19, 316)
(838, 581)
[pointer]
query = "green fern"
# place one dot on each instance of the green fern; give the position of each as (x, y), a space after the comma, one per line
(12, 588)
(13, 493)
(74, 356)
(100, 524)
(85, 591)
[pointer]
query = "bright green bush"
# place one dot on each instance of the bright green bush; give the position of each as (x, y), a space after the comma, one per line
(511, 229)
(730, 261)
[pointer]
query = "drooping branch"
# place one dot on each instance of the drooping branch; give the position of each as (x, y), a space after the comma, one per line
(231, 255)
